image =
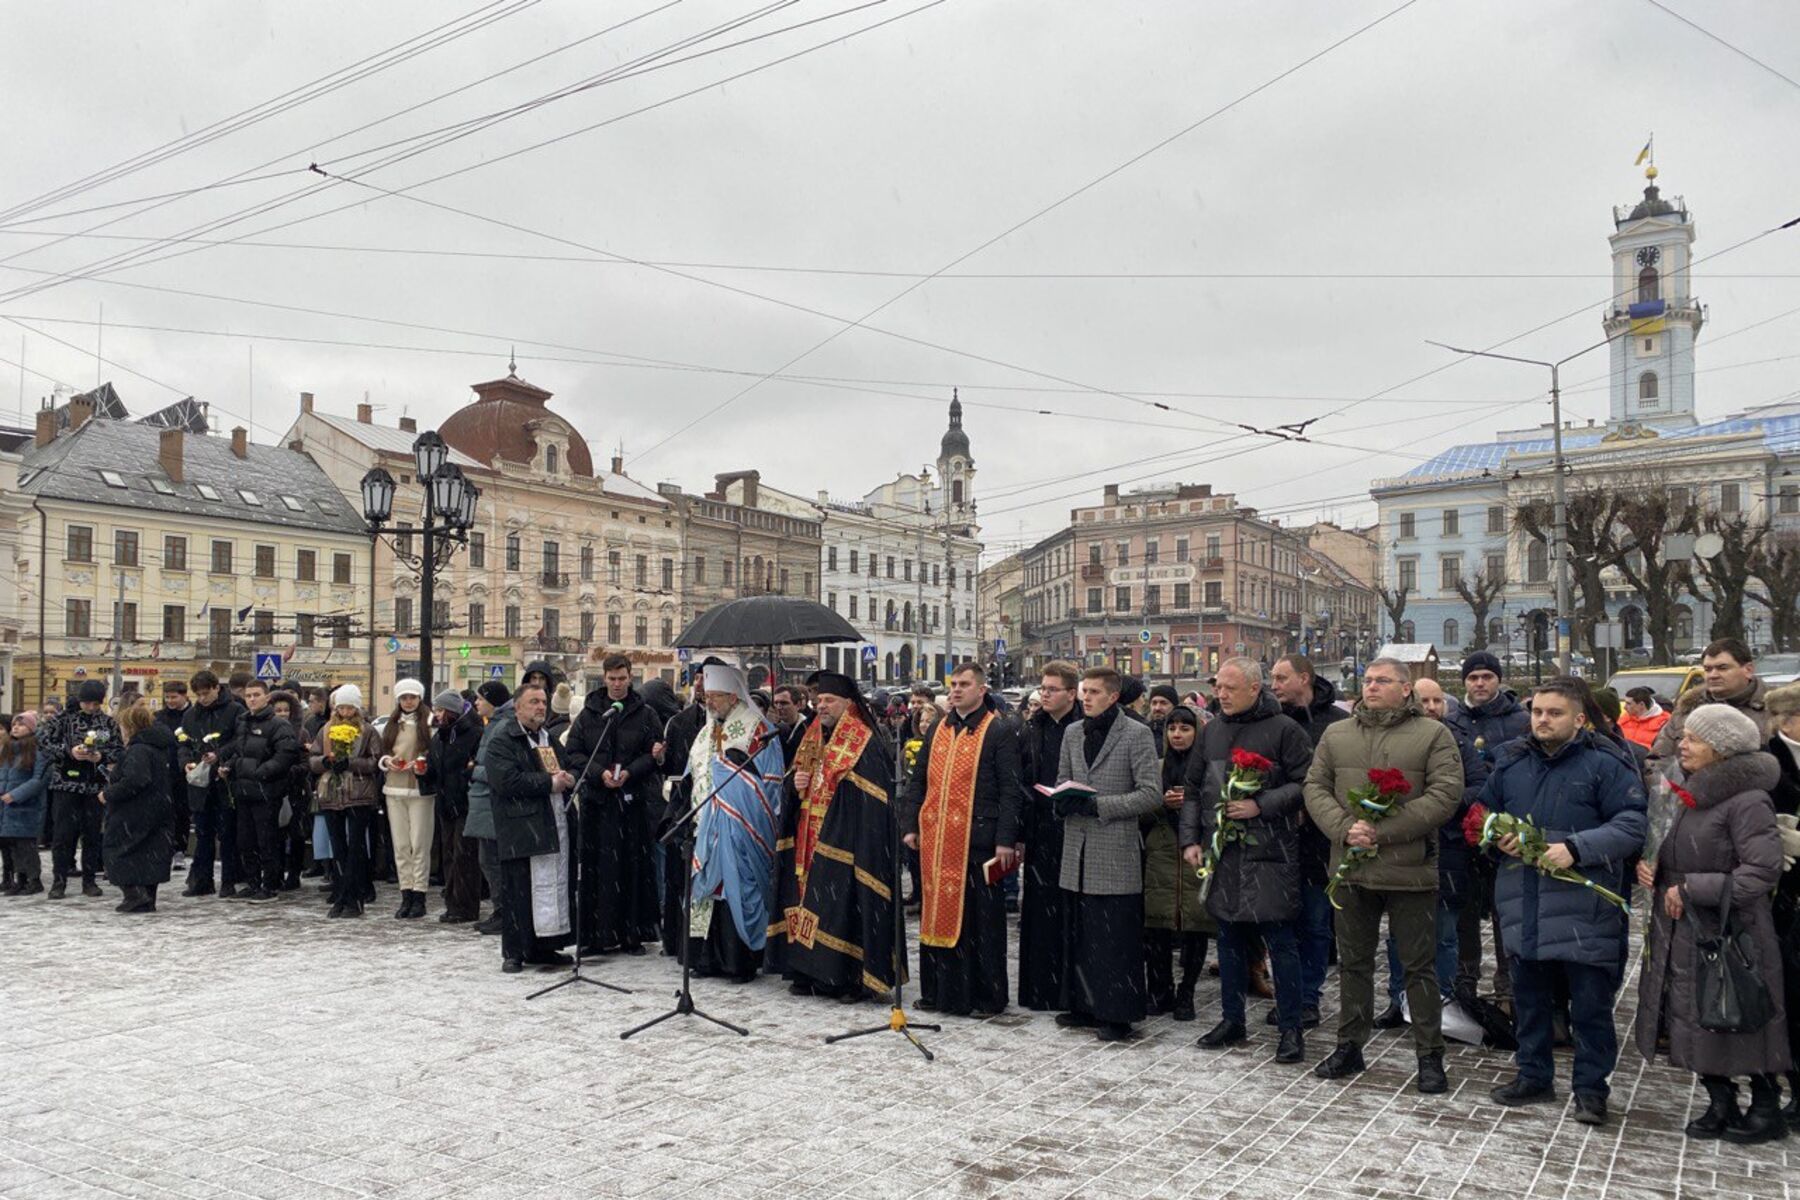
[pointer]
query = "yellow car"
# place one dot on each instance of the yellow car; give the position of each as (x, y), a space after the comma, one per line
(1669, 683)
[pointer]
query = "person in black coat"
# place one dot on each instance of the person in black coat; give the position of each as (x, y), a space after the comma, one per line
(174, 708)
(205, 730)
(450, 762)
(612, 751)
(1255, 878)
(136, 800)
(258, 763)
(1041, 837)
(81, 742)
(1310, 701)
(530, 789)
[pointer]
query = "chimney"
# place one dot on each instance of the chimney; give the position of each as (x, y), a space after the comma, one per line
(240, 442)
(1111, 493)
(618, 466)
(80, 409)
(306, 403)
(365, 414)
(409, 425)
(46, 426)
(168, 453)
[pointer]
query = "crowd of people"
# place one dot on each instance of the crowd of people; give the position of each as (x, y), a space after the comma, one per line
(1271, 823)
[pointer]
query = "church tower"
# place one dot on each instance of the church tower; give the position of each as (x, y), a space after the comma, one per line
(1653, 318)
(956, 469)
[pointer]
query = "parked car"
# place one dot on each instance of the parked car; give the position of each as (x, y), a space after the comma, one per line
(1667, 682)
(1778, 669)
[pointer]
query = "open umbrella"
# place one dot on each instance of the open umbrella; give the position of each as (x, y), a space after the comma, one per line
(766, 621)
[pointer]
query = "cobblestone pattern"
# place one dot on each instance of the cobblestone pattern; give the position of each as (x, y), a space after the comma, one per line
(224, 1049)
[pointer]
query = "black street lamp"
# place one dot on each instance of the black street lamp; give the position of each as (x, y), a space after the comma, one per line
(449, 510)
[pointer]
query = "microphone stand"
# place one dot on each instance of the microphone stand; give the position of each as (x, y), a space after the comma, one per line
(575, 975)
(897, 1022)
(685, 829)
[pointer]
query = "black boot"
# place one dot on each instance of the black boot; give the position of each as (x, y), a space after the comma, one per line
(1225, 1033)
(1721, 1111)
(404, 912)
(1159, 978)
(59, 888)
(1292, 1048)
(1762, 1121)
(129, 901)
(1193, 954)
(1345, 1061)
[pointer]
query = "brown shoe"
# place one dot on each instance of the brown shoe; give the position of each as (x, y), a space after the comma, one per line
(1259, 979)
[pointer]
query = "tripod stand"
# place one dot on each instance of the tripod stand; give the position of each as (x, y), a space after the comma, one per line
(684, 829)
(897, 1021)
(575, 975)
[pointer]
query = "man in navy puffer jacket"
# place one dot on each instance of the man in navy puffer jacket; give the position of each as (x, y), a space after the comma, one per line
(1587, 797)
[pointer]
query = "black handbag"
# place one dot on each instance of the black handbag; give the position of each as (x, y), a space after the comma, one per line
(1732, 997)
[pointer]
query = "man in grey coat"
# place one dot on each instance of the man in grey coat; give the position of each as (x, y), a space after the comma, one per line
(1115, 763)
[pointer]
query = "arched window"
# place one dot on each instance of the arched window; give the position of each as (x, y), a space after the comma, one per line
(1496, 631)
(1649, 285)
(1452, 634)
(1537, 561)
(550, 459)
(956, 492)
(1406, 632)
(1647, 388)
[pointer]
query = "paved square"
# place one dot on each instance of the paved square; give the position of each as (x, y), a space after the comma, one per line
(224, 1049)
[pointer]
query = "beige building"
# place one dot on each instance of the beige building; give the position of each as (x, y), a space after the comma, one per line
(183, 550)
(563, 564)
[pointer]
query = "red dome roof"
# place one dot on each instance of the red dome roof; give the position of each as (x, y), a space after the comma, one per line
(504, 423)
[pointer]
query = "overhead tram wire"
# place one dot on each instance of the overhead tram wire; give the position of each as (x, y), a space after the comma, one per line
(1737, 50)
(6, 225)
(623, 71)
(1041, 212)
(127, 258)
(294, 97)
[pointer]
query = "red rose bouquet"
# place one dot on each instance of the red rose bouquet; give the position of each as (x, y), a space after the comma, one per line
(1249, 771)
(1371, 801)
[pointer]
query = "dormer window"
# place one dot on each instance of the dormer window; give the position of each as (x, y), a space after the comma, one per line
(550, 459)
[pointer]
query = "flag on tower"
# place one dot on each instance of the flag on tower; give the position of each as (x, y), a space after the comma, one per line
(1646, 152)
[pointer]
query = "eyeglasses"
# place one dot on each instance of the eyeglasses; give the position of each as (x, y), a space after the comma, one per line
(1380, 681)
(1045, 690)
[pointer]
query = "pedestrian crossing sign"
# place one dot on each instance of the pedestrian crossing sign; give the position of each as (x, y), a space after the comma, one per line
(268, 666)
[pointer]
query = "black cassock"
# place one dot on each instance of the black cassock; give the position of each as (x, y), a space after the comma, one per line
(1041, 899)
(619, 904)
(837, 930)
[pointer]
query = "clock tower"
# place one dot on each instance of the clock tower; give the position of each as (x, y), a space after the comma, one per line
(1653, 319)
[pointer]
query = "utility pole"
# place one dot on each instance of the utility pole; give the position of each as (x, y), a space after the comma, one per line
(118, 671)
(1559, 517)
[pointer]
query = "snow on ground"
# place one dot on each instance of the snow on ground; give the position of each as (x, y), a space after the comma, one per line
(224, 1049)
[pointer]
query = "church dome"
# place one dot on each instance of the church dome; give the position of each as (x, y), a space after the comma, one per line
(1652, 205)
(956, 442)
(507, 420)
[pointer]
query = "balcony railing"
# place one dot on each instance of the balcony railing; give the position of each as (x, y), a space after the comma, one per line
(1093, 570)
(553, 579)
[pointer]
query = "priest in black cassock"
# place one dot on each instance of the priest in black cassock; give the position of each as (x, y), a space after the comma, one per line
(1040, 904)
(836, 873)
(611, 747)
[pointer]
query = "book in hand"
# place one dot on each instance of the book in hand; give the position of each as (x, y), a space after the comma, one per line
(993, 872)
(1068, 789)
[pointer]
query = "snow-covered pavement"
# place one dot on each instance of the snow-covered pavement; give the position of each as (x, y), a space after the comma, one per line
(226, 1049)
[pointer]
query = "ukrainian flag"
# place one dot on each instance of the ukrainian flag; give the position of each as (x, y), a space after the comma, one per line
(1645, 152)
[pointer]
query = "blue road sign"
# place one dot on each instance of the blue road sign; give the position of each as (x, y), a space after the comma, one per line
(496, 671)
(268, 666)
(868, 654)
(682, 655)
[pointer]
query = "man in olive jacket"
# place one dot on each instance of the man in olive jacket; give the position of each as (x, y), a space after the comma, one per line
(1387, 731)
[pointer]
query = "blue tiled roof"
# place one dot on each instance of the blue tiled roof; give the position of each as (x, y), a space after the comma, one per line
(1781, 435)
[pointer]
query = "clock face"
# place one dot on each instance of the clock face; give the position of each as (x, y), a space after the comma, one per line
(1649, 256)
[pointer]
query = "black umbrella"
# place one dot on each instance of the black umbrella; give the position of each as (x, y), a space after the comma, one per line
(766, 621)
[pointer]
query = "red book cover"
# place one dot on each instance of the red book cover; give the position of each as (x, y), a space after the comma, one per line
(994, 872)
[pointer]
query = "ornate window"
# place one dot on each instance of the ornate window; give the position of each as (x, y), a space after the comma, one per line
(1649, 285)
(1648, 390)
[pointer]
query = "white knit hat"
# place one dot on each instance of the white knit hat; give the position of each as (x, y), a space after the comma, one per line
(409, 687)
(349, 695)
(1728, 731)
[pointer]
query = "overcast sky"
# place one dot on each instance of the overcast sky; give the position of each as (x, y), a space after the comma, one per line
(1449, 173)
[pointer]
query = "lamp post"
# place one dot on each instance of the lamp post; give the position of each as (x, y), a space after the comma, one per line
(448, 508)
(1558, 484)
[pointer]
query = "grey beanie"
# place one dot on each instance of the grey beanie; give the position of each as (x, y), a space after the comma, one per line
(1728, 731)
(450, 700)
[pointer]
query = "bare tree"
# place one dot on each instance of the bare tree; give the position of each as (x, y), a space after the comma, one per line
(1592, 516)
(1776, 565)
(1479, 591)
(1647, 516)
(1395, 603)
(1727, 574)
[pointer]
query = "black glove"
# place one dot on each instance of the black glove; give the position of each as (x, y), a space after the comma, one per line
(339, 765)
(1077, 805)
